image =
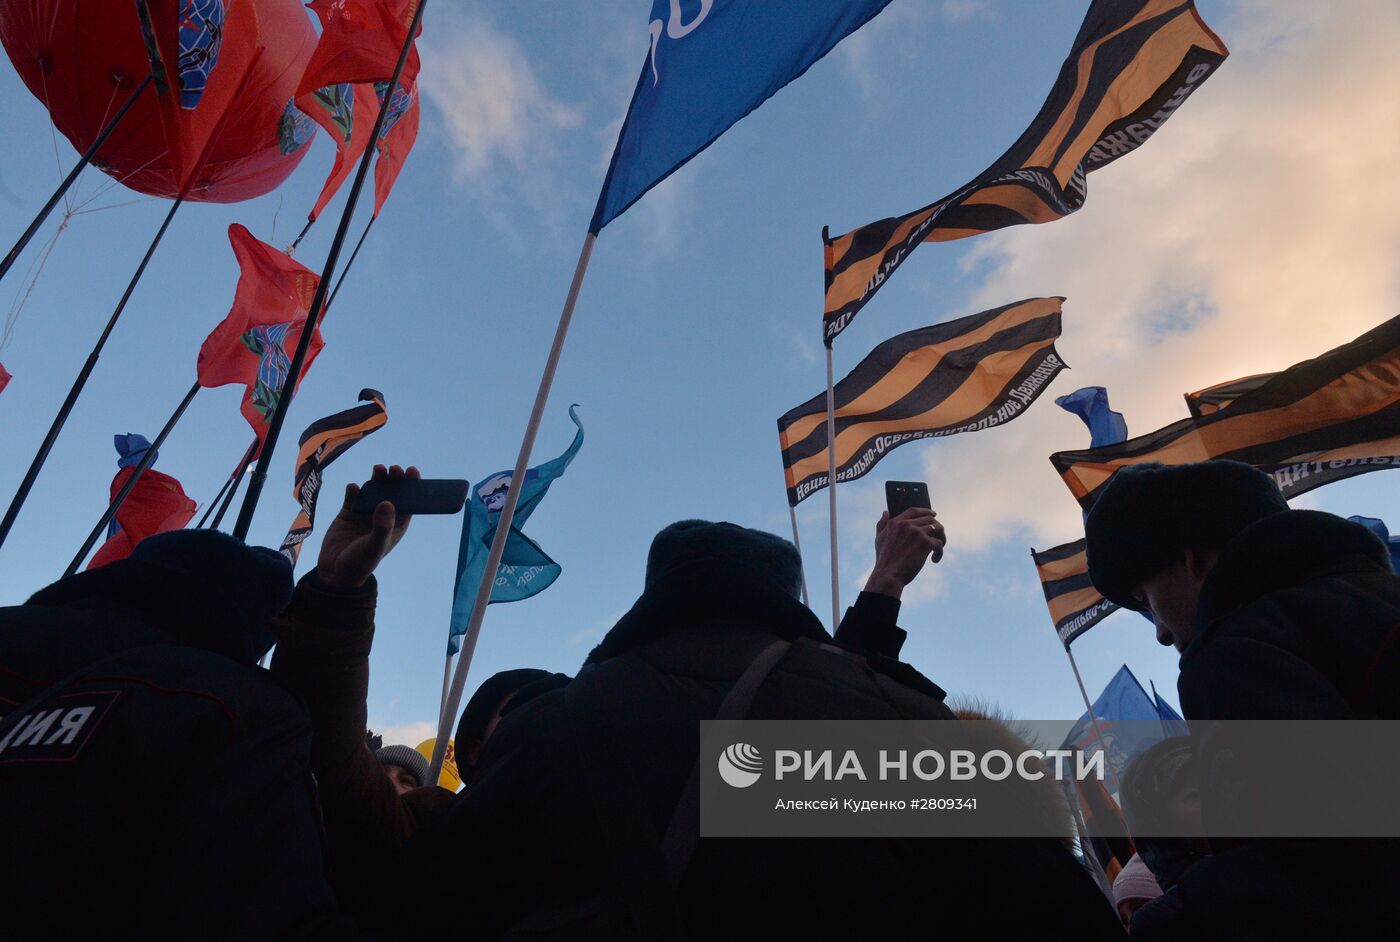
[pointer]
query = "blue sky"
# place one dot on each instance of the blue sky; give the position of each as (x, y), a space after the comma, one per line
(1246, 236)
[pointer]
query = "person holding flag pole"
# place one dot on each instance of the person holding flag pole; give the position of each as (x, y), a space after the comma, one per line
(677, 110)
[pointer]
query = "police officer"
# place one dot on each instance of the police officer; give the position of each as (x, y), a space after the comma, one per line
(155, 781)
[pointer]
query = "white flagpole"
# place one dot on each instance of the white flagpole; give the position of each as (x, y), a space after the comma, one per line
(831, 486)
(797, 542)
(498, 542)
(1103, 743)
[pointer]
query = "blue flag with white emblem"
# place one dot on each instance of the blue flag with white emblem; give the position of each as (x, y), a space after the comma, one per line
(525, 569)
(710, 63)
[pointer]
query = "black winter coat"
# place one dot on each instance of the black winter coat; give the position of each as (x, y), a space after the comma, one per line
(523, 855)
(1299, 620)
(151, 789)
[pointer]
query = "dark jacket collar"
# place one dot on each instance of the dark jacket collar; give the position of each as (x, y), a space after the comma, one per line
(181, 610)
(708, 594)
(1284, 550)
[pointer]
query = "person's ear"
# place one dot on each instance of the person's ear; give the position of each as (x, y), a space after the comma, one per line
(1198, 562)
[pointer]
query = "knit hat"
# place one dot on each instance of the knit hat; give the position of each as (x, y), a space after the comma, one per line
(406, 758)
(246, 585)
(482, 705)
(1149, 514)
(695, 546)
(1135, 882)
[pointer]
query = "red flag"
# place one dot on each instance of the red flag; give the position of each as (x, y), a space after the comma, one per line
(4, 378)
(254, 344)
(360, 42)
(396, 138)
(157, 503)
(347, 112)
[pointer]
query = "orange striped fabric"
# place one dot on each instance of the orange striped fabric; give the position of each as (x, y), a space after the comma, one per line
(1132, 65)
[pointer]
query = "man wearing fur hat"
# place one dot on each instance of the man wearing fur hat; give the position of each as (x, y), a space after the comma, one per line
(1279, 615)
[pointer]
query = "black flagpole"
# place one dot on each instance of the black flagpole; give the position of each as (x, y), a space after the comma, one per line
(83, 161)
(318, 300)
(38, 463)
(231, 480)
(146, 460)
(350, 264)
(301, 235)
(242, 473)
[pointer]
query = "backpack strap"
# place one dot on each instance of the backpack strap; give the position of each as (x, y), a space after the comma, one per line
(648, 868)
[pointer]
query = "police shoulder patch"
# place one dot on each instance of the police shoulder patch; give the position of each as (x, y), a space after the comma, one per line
(58, 730)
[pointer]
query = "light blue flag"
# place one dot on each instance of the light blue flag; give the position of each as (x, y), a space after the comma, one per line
(1122, 700)
(1378, 527)
(525, 569)
(1106, 427)
(712, 62)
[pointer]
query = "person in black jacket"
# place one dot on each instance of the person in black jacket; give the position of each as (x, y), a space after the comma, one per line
(582, 826)
(156, 783)
(1279, 615)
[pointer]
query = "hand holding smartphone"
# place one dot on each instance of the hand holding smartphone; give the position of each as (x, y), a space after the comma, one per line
(906, 495)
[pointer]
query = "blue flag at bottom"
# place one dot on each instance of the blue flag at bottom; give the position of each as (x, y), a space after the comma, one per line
(525, 569)
(1122, 700)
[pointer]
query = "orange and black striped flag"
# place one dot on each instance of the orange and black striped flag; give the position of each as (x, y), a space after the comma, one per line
(1075, 605)
(324, 441)
(1132, 65)
(1214, 398)
(959, 376)
(1322, 420)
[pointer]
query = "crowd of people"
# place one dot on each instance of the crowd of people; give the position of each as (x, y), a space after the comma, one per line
(159, 784)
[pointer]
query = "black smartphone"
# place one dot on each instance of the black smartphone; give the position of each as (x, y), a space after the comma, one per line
(409, 496)
(901, 495)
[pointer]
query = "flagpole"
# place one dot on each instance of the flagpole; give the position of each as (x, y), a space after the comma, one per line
(1098, 730)
(68, 181)
(831, 486)
(223, 489)
(318, 300)
(146, 460)
(232, 481)
(503, 524)
(797, 542)
(446, 684)
(42, 455)
(354, 254)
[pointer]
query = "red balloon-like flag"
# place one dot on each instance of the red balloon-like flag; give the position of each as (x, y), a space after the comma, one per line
(219, 125)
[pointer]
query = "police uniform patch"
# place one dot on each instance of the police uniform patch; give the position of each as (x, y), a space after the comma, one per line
(56, 731)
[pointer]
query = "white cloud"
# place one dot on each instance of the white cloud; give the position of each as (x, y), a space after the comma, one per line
(960, 11)
(888, 42)
(496, 113)
(1253, 232)
(408, 734)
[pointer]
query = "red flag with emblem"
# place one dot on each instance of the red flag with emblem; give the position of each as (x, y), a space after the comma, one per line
(347, 113)
(360, 42)
(396, 139)
(254, 344)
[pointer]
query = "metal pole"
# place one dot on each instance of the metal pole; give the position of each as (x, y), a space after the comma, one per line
(233, 481)
(831, 486)
(83, 161)
(215, 502)
(797, 542)
(318, 300)
(498, 541)
(140, 469)
(37, 464)
(1098, 730)
(446, 684)
(350, 264)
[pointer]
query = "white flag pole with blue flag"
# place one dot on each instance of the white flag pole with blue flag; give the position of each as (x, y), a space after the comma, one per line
(708, 63)
(525, 569)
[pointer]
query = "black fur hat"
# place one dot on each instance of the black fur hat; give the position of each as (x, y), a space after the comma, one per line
(1148, 514)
